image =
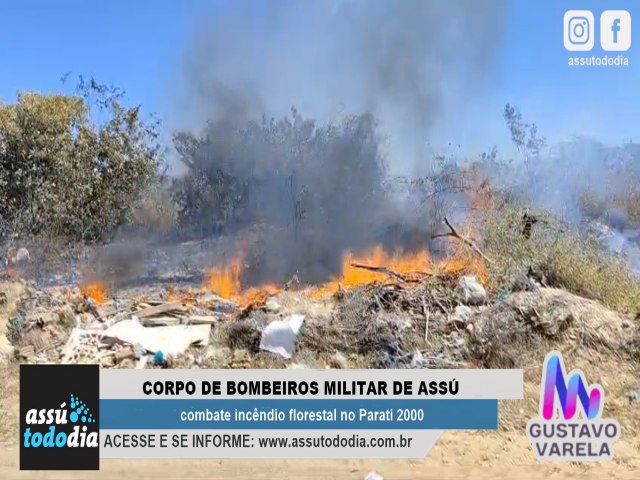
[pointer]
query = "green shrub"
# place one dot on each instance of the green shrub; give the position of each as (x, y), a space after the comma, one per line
(63, 173)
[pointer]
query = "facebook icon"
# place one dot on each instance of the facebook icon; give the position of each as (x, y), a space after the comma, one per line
(615, 30)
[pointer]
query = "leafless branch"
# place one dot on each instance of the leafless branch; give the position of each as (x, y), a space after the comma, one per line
(454, 233)
(391, 273)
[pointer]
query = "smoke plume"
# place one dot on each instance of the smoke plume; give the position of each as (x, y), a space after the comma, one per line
(371, 80)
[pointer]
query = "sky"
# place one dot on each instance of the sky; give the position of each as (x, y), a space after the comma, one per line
(138, 45)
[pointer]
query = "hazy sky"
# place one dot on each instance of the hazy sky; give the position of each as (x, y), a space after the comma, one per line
(139, 46)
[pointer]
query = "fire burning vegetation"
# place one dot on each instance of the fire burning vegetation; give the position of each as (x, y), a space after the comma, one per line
(97, 291)
(375, 266)
(365, 269)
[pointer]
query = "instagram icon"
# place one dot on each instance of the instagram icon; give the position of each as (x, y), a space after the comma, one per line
(578, 30)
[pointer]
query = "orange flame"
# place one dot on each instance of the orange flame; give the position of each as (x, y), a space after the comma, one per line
(352, 276)
(225, 281)
(461, 260)
(97, 291)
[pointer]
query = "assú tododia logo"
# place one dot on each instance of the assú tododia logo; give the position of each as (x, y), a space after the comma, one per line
(59, 427)
(80, 415)
(570, 427)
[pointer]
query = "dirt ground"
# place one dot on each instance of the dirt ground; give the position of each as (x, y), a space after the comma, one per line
(501, 454)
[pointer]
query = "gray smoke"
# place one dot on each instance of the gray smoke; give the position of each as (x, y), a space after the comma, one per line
(582, 181)
(371, 79)
(410, 63)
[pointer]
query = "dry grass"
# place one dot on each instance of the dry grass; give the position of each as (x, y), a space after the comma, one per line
(576, 263)
(512, 332)
(10, 294)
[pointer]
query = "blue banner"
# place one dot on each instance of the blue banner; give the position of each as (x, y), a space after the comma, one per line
(299, 414)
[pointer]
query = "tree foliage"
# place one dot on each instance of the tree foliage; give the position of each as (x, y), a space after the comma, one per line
(73, 165)
(285, 172)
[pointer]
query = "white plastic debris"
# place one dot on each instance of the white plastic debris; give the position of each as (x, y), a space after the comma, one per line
(280, 336)
(472, 292)
(373, 476)
(173, 340)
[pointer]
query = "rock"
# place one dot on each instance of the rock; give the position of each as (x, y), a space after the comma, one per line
(280, 337)
(339, 361)
(600, 229)
(271, 305)
(471, 292)
(634, 397)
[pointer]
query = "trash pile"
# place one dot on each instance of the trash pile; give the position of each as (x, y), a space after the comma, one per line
(438, 322)
(153, 326)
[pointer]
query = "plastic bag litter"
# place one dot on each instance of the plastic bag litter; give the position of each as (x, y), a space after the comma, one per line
(280, 336)
(172, 340)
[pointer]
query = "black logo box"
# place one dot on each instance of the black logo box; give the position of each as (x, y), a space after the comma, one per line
(47, 387)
